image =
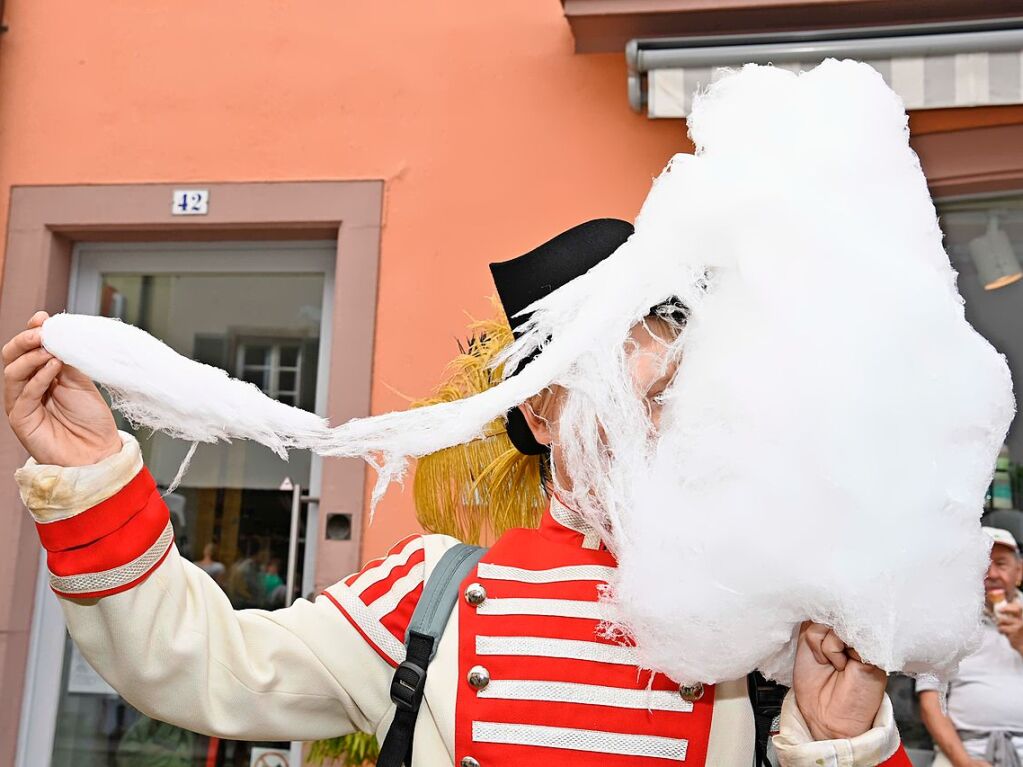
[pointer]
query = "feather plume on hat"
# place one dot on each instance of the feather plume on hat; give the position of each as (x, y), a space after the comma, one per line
(476, 490)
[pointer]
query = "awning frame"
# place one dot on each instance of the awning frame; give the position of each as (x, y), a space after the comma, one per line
(646, 54)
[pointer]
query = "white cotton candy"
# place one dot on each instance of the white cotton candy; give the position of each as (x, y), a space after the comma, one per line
(825, 447)
(827, 442)
(154, 386)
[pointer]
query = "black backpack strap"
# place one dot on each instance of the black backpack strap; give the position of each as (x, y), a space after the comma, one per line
(766, 698)
(428, 621)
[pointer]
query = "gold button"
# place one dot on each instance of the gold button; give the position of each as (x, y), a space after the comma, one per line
(691, 692)
(475, 594)
(468, 761)
(478, 677)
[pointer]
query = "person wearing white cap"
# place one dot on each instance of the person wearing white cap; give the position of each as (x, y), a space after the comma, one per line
(984, 721)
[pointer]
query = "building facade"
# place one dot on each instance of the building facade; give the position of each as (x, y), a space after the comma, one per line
(308, 195)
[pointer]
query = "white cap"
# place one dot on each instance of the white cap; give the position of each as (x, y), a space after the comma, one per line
(1003, 537)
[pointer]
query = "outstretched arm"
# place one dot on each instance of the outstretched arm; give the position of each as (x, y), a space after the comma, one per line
(156, 627)
(164, 635)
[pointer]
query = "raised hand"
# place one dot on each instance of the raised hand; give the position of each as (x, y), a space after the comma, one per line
(56, 412)
(837, 693)
(1009, 617)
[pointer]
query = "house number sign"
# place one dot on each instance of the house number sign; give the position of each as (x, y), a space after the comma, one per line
(190, 202)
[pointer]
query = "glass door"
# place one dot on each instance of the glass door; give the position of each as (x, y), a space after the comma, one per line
(259, 312)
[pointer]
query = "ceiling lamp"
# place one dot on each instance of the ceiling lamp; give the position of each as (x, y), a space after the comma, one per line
(996, 262)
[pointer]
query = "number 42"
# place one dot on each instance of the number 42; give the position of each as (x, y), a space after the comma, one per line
(190, 202)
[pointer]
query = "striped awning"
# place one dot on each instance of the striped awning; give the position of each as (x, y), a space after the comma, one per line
(923, 82)
(930, 72)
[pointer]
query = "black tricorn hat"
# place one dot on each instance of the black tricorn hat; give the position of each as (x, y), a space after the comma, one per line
(540, 272)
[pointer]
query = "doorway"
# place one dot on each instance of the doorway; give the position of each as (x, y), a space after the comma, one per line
(261, 312)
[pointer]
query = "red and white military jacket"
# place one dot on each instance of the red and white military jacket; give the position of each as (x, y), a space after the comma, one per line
(159, 630)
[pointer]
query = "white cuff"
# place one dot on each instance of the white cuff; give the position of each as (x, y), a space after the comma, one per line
(53, 493)
(797, 748)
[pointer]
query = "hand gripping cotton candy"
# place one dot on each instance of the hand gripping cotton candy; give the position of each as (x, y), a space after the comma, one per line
(824, 448)
(156, 387)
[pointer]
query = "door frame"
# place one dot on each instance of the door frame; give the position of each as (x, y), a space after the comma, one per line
(45, 223)
(89, 262)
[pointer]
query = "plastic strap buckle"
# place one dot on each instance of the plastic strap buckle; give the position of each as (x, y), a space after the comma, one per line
(407, 686)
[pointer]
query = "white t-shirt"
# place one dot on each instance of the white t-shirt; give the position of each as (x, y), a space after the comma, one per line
(987, 691)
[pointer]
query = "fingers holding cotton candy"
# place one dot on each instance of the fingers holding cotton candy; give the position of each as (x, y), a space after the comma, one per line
(154, 386)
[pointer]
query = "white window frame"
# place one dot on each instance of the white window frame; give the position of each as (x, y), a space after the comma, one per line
(273, 366)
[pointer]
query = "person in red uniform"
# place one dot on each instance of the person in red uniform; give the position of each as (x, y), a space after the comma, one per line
(520, 672)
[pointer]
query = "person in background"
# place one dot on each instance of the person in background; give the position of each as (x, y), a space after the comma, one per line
(272, 575)
(210, 565)
(245, 578)
(984, 721)
(273, 584)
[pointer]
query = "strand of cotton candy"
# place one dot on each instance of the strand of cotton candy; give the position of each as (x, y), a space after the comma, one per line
(154, 386)
(827, 443)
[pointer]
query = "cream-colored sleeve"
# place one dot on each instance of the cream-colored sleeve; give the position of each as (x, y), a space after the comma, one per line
(169, 640)
(796, 747)
(175, 649)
